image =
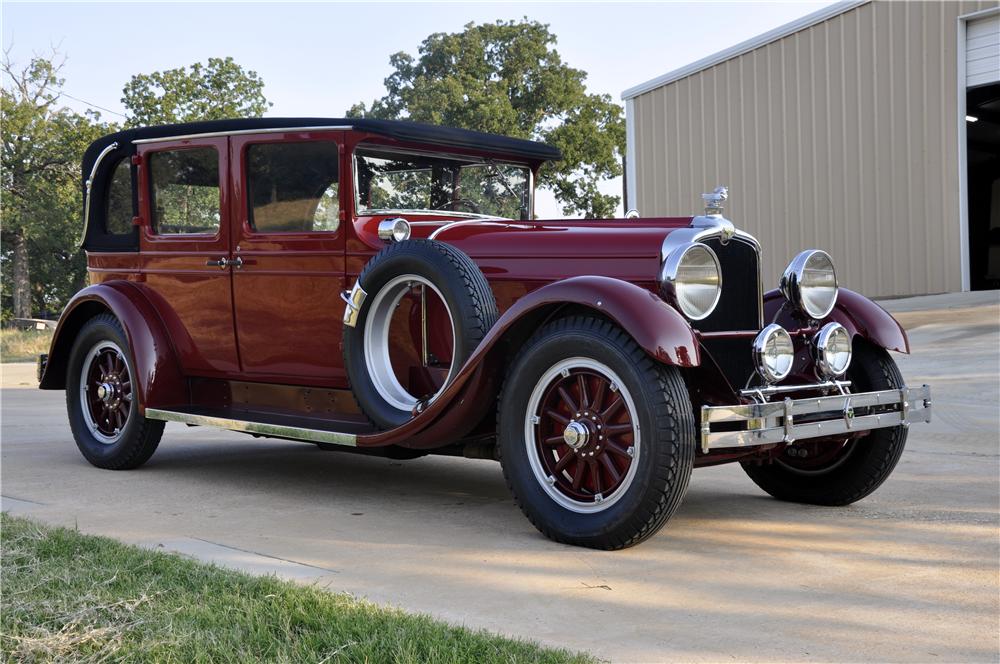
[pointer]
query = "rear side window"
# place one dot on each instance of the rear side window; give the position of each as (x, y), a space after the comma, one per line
(293, 187)
(119, 213)
(185, 196)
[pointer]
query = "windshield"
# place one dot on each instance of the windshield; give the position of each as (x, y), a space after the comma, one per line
(388, 180)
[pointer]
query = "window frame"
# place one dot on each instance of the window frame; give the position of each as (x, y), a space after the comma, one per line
(376, 144)
(151, 191)
(243, 178)
(132, 197)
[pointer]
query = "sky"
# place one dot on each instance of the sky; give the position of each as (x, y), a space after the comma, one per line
(318, 59)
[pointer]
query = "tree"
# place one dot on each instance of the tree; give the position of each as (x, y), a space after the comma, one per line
(507, 78)
(217, 90)
(41, 148)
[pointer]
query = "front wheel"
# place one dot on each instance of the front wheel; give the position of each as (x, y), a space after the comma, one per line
(596, 439)
(839, 472)
(101, 399)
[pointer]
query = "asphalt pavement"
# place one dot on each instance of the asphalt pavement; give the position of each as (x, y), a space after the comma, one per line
(911, 573)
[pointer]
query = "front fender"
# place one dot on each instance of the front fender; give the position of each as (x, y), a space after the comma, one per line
(861, 316)
(158, 378)
(658, 328)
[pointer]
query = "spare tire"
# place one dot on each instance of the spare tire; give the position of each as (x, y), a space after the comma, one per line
(427, 307)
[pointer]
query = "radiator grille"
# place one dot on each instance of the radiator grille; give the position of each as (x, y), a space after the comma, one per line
(740, 305)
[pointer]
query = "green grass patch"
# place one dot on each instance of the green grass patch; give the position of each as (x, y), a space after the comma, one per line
(23, 345)
(73, 597)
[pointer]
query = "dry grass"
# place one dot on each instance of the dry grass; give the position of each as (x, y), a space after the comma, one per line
(69, 597)
(23, 345)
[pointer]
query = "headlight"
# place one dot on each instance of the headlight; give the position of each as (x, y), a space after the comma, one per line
(832, 345)
(810, 283)
(691, 279)
(773, 353)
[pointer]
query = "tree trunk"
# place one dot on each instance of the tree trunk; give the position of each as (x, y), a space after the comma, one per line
(22, 277)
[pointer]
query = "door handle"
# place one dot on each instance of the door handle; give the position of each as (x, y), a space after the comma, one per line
(220, 263)
(237, 262)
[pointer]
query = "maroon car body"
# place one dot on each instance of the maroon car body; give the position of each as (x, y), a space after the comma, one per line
(244, 329)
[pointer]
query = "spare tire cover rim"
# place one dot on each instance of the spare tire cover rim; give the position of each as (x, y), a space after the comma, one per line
(376, 341)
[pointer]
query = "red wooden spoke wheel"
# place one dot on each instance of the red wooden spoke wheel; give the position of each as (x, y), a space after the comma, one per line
(582, 435)
(106, 391)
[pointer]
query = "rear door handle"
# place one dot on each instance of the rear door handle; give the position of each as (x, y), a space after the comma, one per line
(220, 263)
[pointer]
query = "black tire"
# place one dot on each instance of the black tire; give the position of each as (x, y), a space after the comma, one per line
(138, 437)
(664, 459)
(861, 465)
(464, 290)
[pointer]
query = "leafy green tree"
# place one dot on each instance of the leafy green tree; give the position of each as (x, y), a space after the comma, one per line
(507, 78)
(216, 90)
(42, 143)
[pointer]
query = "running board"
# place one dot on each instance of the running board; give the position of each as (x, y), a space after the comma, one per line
(275, 426)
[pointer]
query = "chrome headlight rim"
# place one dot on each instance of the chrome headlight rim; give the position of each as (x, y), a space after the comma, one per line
(822, 346)
(792, 284)
(760, 350)
(669, 282)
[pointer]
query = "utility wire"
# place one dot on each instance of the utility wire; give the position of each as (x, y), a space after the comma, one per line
(93, 105)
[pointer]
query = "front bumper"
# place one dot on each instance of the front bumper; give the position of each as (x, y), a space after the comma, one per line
(764, 423)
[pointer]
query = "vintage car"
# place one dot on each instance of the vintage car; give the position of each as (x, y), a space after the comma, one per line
(385, 287)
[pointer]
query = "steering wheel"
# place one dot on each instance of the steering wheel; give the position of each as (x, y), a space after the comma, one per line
(472, 205)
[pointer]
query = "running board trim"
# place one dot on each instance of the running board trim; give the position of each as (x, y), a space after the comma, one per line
(260, 428)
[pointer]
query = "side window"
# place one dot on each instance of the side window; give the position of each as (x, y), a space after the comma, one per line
(119, 213)
(293, 187)
(185, 196)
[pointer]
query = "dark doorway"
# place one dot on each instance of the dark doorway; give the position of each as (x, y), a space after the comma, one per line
(983, 136)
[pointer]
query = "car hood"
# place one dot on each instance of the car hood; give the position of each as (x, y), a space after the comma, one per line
(549, 250)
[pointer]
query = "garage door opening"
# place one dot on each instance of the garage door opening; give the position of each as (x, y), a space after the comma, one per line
(983, 173)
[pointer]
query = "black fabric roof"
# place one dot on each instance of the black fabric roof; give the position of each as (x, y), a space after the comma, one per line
(400, 130)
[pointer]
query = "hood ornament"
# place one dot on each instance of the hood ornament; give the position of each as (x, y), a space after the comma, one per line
(714, 200)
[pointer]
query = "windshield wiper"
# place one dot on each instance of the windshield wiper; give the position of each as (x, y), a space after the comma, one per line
(506, 185)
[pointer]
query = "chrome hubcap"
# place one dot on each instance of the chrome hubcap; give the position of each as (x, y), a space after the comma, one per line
(105, 392)
(576, 434)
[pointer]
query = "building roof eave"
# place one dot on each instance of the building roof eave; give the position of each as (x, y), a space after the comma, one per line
(744, 47)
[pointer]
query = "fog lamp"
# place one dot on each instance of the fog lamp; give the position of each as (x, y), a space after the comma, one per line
(832, 346)
(773, 353)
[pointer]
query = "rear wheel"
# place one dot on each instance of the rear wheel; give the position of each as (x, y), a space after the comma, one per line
(596, 439)
(102, 402)
(839, 472)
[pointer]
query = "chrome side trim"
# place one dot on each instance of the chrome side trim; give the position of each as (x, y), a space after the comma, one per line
(776, 422)
(240, 132)
(89, 184)
(261, 428)
(353, 299)
(499, 221)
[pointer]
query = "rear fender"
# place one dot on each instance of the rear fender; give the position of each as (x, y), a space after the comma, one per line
(861, 316)
(658, 328)
(159, 381)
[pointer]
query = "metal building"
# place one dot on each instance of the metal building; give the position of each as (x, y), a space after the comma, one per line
(869, 129)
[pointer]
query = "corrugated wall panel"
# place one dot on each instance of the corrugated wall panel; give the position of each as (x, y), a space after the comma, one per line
(982, 48)
(841, 136)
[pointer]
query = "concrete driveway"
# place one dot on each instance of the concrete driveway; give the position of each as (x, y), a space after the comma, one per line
(910, 573)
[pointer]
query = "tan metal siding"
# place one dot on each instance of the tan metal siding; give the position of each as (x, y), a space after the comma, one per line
(841, 136)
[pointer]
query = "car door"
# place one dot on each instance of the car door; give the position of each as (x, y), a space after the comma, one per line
(185, 248)
(288, 232)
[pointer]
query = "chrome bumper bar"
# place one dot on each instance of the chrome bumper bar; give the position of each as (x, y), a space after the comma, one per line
(754, 424)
